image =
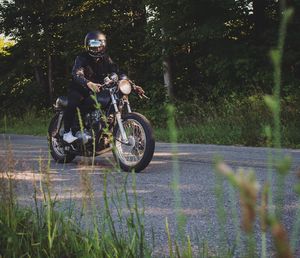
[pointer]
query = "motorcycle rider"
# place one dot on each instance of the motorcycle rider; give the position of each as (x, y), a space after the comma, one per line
(89, 70)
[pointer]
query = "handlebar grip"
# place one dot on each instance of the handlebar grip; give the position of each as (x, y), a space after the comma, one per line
(145, 96)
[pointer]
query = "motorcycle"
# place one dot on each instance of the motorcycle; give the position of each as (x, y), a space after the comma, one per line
(111, 126)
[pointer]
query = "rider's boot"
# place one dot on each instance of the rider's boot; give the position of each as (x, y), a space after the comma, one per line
(69, 138)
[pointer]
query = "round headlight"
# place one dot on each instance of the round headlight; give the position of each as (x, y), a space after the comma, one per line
(125, 87)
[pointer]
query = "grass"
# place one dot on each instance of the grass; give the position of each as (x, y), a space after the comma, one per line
(210, 133)
(237, 120)
(30, 123)
(50, 230)
(234, 121)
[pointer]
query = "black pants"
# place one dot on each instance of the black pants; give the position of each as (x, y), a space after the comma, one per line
(76, 98)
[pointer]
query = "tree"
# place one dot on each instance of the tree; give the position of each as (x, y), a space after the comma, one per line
(210, 48)
(259, 16)
(34, 25)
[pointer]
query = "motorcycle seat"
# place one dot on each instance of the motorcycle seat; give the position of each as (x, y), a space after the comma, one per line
(103, 99)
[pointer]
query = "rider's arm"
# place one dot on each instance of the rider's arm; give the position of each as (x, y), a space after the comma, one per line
(78, 72)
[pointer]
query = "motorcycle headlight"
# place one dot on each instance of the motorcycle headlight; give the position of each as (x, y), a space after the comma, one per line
(125, 87)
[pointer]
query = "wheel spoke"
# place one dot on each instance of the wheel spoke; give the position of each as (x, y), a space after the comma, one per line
(131, 155)
(58, 149)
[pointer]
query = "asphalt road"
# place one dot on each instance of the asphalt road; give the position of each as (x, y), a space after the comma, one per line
(154, 184)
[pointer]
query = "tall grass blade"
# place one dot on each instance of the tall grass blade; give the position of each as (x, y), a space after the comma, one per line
(180, 217)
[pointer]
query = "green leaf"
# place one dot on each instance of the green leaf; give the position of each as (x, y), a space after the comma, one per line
(288, 13)
(271, 102)
(275, 56)
(268, 132)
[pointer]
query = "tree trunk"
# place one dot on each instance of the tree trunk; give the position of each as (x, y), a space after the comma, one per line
(259, 17)
(167, 70)
(50, 79)
(167, 67)
(38, 72)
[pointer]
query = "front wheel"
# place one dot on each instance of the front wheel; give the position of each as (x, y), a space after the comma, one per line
(137, 154)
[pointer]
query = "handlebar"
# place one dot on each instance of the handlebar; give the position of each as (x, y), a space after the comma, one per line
(108, 82)
(143, 96)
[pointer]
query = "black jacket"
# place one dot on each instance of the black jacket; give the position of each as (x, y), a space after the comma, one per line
(88, 69)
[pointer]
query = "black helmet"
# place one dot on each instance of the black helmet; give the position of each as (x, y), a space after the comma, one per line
(95, 43)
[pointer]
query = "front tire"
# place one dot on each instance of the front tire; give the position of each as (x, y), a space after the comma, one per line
(139, 153)
(55, 142)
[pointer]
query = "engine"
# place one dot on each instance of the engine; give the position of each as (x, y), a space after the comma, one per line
(91, 123)
(84, 136)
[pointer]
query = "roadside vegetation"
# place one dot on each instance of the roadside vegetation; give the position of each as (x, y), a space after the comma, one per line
(234, 121)
(53, 229)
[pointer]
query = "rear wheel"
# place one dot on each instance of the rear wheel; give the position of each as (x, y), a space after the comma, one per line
(137, 154)
(55, 142)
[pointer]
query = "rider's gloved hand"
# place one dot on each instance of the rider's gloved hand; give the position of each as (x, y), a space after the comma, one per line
(95, 87)
(139, 90)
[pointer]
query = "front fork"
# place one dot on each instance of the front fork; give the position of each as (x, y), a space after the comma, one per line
(119, 118)
(59, 120)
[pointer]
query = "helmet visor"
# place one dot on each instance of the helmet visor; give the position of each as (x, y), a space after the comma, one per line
(96, 46)
(94, 43)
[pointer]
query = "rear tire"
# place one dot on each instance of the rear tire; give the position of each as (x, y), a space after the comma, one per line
(140, 133)
(55, 140)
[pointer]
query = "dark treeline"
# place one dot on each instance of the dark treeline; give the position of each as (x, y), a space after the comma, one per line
(206, 49)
